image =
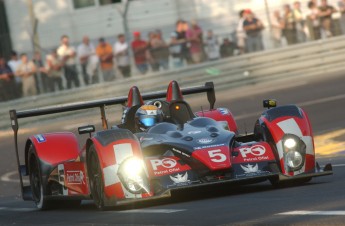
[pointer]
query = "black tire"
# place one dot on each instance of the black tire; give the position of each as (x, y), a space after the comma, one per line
(36, 182)
(95, 178)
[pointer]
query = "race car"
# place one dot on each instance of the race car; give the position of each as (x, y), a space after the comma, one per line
(161, 146)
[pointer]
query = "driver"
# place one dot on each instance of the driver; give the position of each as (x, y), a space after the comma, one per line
(147, 116)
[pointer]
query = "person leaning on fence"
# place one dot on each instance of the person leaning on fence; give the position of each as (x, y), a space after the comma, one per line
(159, 51)
(194, 37)
(325, 14)
(41, 77)
(139, 48)
(121, 54)
(313, 21)
(181, 29)
(211, 46)
(7, 82)
(277, 25)
(300, 22)
(85, 51)
(105, 54)
(176, 48)
(54, 70)
(227, 48)
(27, 70)
(67, 54)
(13, 63)
(253, 27)
(341, 5)
(289, 25)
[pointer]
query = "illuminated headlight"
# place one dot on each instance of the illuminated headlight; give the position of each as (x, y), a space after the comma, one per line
(294, 159)
(290, 143)
(132, 175)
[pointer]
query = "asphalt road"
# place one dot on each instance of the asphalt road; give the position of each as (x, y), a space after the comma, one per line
(320, 202)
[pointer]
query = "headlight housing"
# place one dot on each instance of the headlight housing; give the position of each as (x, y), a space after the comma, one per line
(294, 152)
(133, 176)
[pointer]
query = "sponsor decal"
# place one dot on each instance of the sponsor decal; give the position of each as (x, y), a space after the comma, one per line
(194, 132)
(180, 180)
(208, 146)
(205, 140)
(256, 150)
(223, 111)
(180, 152)
(145, 139)
(40, 138)
(75, 177)
(251, 168)
(165, 166)
(166, 163)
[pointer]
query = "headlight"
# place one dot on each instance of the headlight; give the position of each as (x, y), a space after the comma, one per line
(294, 159)
(290, 143)
(132, 175)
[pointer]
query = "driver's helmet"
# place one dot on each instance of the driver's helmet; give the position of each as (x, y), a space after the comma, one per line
(147, 116)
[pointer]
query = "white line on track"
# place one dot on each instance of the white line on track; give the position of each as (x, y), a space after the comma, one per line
(153, 211)
(321, 213)
(17, 209)
(7, 177)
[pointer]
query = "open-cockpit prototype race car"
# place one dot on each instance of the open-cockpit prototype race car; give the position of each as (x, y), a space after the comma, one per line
(120, 165)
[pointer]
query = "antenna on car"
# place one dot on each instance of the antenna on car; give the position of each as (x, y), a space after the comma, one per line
(202, 111)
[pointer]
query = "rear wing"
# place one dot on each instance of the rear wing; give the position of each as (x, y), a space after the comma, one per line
(15, 115)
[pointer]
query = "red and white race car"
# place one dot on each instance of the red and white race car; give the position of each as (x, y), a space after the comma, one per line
(121, 164)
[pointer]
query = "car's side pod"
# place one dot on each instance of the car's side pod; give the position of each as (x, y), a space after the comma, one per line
(49, 150)
(288, 130)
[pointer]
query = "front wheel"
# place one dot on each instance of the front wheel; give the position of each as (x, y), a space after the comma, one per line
(95, 178)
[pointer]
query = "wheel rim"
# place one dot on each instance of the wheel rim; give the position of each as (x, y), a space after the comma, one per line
(96, 181)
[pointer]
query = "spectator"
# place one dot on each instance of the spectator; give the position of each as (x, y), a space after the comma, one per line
(54, 70)
(67, 54)
(26, 70)
(277, 26)
(7, 82)
(159, 51)
(181, 30)
(85, 51)
(241, 34)
(289, 26)
(211, 45)
(105, 54)
(122, 56)
(299, 19)
(41, 78)
(176, 49)
(194, 36)
(313, 21)
(252, 27)
(325, 14)
(227, 48)
(139, 48)
(13, 64)
(341, 5)
(149, 55)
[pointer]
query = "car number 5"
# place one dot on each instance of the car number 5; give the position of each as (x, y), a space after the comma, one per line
(217, 156)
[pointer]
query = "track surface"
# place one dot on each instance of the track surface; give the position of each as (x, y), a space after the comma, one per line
(260, 204)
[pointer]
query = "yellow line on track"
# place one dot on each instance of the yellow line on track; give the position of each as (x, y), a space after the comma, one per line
(330, 143)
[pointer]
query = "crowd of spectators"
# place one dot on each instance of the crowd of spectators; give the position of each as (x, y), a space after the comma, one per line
(188, 44)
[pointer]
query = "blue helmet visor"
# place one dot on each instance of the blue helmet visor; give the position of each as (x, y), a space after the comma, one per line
(148, 121)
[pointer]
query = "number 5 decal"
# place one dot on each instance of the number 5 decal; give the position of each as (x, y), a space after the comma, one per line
(217, 155)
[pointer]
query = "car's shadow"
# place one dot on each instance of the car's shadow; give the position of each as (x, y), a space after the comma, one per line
(201, 193)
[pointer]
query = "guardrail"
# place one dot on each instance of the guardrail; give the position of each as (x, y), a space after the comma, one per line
(312, 58)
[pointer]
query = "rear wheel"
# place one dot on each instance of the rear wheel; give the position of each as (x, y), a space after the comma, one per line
(36, 182)
(95, 178)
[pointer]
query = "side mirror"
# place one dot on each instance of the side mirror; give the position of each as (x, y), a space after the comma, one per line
(86, 129)
(270, 103)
